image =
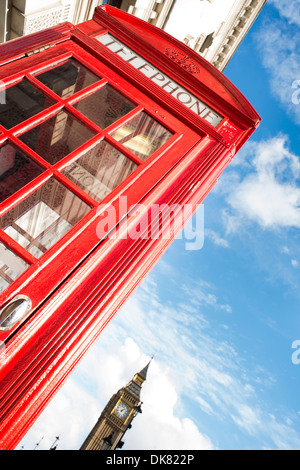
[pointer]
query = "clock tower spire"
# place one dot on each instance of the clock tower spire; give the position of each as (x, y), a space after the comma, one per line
(117, 415)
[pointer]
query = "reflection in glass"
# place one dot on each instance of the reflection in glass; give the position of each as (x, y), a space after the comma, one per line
(44, 217)
(100, 170)
(142, 135)
(11, 267)
(105, 106)
(22, 101)
(68, 78)
(16, 170)
(57, 137)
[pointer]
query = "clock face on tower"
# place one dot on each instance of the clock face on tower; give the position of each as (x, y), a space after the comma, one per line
(122, 410)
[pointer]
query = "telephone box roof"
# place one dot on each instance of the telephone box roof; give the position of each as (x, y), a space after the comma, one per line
(204, 77)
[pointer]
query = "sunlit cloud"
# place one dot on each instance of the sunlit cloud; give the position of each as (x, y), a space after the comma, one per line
(268, 194)
(288, 9)
(216, 238)
(278, 42)
(192, 361)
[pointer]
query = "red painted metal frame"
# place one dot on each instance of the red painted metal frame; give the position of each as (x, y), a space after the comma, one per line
(81, 282)
(210, 84)
(32, 282)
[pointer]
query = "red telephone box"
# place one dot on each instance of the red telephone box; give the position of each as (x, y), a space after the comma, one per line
(96, 120)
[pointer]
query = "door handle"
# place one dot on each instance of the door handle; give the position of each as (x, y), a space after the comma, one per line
(14, 311)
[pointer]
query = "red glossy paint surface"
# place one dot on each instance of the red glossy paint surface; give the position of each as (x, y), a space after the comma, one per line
(77, 281)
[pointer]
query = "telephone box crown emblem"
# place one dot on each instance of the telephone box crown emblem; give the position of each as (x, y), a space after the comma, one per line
(183, 60)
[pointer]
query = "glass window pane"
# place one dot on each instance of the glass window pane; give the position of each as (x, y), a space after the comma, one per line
(105, 106)
(159, 77)
(142, 135)
(100, 170)
(57, 137)
(44, 217)
(11, 267)
(16, 170)
(22, 101)
(68, 78)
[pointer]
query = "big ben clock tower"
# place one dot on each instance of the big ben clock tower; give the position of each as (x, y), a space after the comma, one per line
(117, 416)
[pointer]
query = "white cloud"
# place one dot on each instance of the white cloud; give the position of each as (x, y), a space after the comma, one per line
(192, 362)
(216, 239)
(66, 417)
(165, 430)
(268, 194)
(288, 9)
(278, 42)
(198, 365)
(201, 294)
(247, 418)
(76, 408)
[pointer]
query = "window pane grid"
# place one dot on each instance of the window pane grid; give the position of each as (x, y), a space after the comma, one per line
(33, 77)
(124, 150)
(89, 90)
(58, 137)
(88, 122)
(35, 156)
(14, 135)
(12, 265)
(31, 241)
(23, 102)
(51, 62)
(67, 77)
(144, 136)
(77, 153)
(75, 188)
(70, 102)
(16, 248)
(67, 103)
(105, 106)
(66, 98)
(27, 190)
(26, 245)
(128, 117)
(86, 62)
(134, 157)
(33, 121)
(41, 219)
(100, 170)
(31, 222)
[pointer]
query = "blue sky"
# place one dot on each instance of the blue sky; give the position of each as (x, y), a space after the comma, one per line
(221, 321)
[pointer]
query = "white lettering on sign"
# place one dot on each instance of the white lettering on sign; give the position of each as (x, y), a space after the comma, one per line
(161, 79)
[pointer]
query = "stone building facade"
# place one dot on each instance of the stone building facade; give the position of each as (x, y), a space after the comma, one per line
(214, 28)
